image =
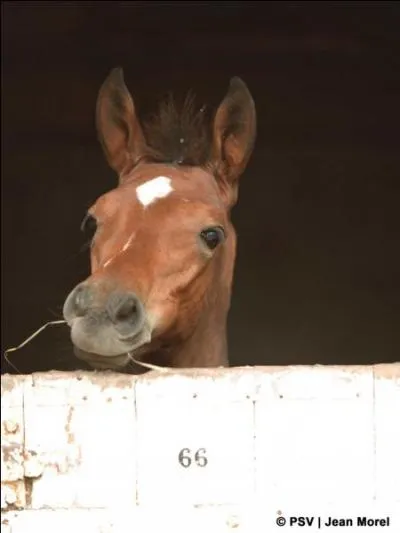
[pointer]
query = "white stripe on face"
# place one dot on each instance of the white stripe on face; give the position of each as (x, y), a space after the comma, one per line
(123, 249)
(152, 190)
(128, 242)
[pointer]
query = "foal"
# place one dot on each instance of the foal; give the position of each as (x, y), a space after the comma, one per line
(163, 250)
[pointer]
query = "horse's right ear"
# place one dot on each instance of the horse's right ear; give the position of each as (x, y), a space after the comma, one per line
(234, 133)
(118, 128)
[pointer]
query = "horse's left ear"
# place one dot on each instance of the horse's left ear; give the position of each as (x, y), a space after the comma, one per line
(234, 133)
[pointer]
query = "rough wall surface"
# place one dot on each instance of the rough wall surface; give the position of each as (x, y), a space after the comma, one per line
(204, 441)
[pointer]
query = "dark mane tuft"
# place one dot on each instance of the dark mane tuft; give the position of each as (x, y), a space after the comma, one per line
(179, 136)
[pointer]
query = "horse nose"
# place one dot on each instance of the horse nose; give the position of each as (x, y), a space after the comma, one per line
(123, 309)
(126, 312)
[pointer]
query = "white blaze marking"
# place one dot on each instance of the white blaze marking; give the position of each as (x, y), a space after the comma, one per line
(128, 242)
(154, 189)
(123, 249)
(108, 262)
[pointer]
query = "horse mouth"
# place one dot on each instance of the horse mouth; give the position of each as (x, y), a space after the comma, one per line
(102, 362)
(102, 347)
(132, 339)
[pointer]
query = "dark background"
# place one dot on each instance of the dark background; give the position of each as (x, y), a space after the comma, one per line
(317, 273)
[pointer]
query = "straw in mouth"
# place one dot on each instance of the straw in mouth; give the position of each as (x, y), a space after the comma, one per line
(57, 322)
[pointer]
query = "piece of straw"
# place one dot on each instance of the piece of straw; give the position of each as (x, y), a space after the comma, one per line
(148, 365)
(56, 322)
(26, 341)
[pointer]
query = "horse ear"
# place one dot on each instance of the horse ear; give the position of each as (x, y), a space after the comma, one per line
(234, 133)
(118, 128)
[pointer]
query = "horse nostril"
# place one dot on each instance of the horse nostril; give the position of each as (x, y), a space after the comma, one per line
(126, 310)
(81, 300)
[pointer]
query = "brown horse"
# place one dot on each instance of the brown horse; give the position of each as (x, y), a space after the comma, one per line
(163, 251)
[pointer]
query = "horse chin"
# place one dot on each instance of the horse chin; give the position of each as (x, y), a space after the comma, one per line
(111, 362)
(102, 362)
(105, 350)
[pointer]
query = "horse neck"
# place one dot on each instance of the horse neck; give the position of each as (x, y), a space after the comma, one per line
(207, 346)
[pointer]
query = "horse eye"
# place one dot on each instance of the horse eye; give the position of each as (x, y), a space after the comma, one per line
(89, 224)
(213, 236)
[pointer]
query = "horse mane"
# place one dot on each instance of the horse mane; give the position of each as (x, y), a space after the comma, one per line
(180, 136)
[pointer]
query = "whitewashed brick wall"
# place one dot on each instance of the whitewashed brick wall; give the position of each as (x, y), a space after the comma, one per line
(205, 450)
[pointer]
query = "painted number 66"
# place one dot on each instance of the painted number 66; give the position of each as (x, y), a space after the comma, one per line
(185, 457)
